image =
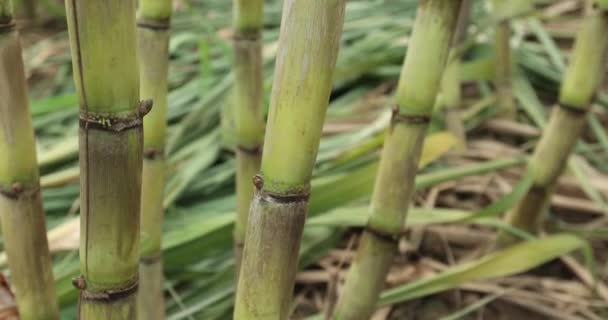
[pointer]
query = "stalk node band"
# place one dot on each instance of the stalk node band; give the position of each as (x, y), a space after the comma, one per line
(574, 110)
(17, 190)
(258, 182)
(150, 259)
(102, 122)
(382, 235)
(8, 26)
(247, 36)
(408, 118)
(154, 154)
(156, 25)
(255, 151)
(108, 295)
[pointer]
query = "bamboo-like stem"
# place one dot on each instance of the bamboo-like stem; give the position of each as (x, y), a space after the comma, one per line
(153, 37)
(308, 48)
(248, 107)
(23, 220)
(104, 50)
(503, 80)
(566, 124)
(415, 97)
(451, 84)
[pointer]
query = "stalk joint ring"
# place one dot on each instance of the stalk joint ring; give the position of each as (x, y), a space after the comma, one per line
(576, 111)
(153, 154)
(150, 259)
(158, 25)
(254, 151)
(89, 120)
(382, 235)
(408, 118)
(17, 190)
(108, 295)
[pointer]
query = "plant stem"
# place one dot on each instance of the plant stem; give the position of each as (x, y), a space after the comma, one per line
(451, 82)
(23, 220)
(308, 46)
(153, 37)
(248, 107)
(415, 96)
(566, 124)
(503, 64)
(104, 50)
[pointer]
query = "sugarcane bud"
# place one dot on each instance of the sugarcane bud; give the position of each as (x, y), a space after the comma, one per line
(79, 283)
(258, 181)
(145, 106)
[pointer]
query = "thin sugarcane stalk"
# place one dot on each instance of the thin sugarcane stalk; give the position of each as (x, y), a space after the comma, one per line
(154, 20)
(248, 107)
(503, 62)
(415, 97)
(308, 47)
(566, 124)
(451, 84)
(23, 220)
(104, 50)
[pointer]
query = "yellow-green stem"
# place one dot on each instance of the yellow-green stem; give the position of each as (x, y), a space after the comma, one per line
(248, 108)
(308, 47)
(23, 220)
(104, 59)
(415, 97)
(153, 23)
(567, 122)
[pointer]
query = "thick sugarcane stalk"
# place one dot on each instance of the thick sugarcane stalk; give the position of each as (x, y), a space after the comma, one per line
(415, 97)
(104, 58)
(451, 84)
(566, 124)
(308, 47)
(23, 220)
(153, 22)
(248, 99)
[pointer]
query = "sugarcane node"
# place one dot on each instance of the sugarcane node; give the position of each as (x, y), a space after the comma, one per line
(148, 260)
(17, 190)
(79, 283)
(382, 235)
(159, 25)
(284, 198)
(153, 154)
(111, 295)
(574, 110)
(6, 27)
(258, 181)
(397, 117)
(110, 123)
(254, 151)
(247, 36)
(145, 106)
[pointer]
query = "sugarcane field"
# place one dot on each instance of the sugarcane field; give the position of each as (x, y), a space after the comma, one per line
(304, 159)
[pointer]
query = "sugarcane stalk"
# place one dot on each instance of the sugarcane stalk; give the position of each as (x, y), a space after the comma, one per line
(153, 23)
(25, 9)
(503, 59)
(415, 97)
(104, 58)
(21, 212)
(248, 100)
(566, 124)
(451, 84)
(308, 47)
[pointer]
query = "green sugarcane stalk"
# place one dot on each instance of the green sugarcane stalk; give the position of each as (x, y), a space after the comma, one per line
(308, 47)
(153, 22)
(418, 86)
(23, 220)
(248, 99)
(451, 82)
(503, 65)
(566, 124)
(106, 74)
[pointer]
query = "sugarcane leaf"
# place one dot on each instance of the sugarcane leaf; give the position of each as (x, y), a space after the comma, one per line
(507, 262)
